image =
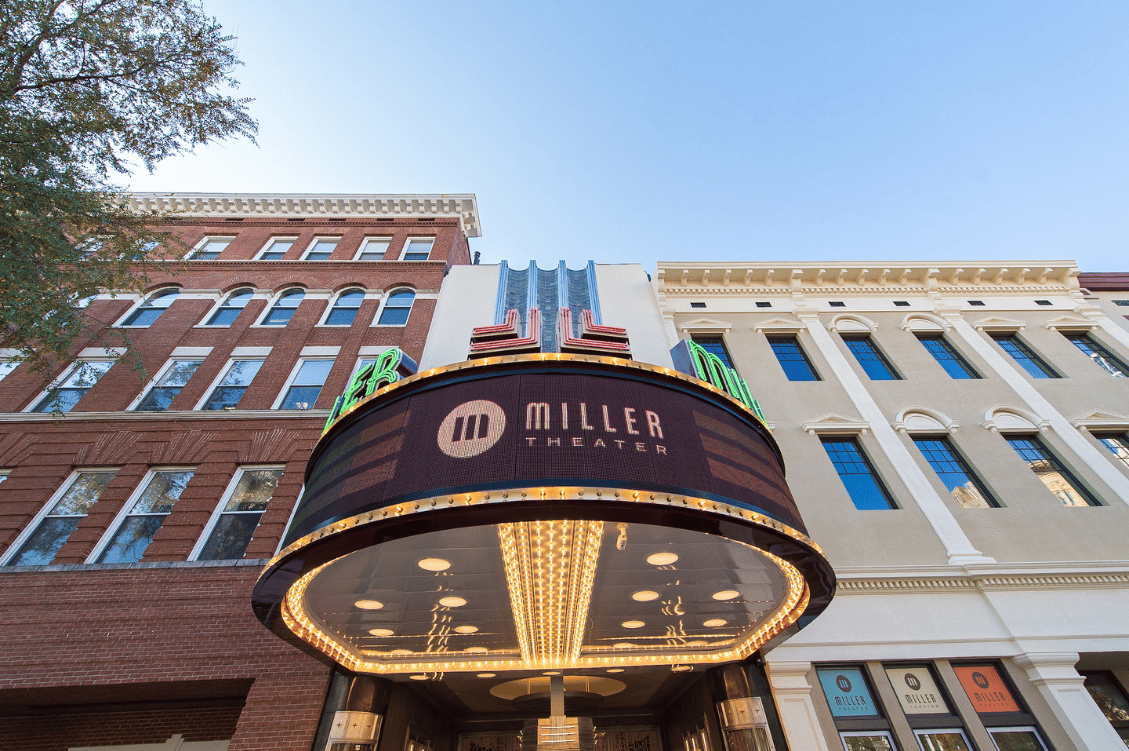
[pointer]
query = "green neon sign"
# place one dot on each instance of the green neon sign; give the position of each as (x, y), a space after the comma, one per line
(696, 360)
(389, 367)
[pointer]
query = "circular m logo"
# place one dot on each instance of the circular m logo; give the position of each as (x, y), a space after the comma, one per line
(980, 679)
(471, 428)
(843, 683)
(913, 682)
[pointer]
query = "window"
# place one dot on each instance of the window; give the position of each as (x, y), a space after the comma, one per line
(229, 390)
(1022, 354)
(283, 309)
(345, 308)
(715, 345)
(64, 512)
(321, 248)
(947, 739)
(1099, 354)
(862, 482)
(763, 304)
(1051, 471)
(234, 522)
(6, 367)
(873, 362)
(150, 310)
(955, 473)
(276, 249)
(307, 383)
(1121, 303)
(976, 303)
(1042, 302)
(166, 388)
(947, 357)
(210, 248)
(697, 305)
(397, 308)
(901, 303)
(146, 514)
(82, 377)
(1111, 698)
(837, 304)
(418, 248)
(373, 249)
(229, 309)
(1118, 445)
(792, 358)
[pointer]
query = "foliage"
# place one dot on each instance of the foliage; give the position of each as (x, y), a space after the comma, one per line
(86, 88)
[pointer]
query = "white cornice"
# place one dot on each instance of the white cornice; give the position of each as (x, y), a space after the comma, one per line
(906, 278)
(463, 206)
(1051, 575)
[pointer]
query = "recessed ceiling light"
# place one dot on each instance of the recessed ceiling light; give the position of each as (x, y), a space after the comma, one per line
(486, 675)
(644, 595)
(466, 629)
(400, 652)
(615, 670)
(714, 622)
(625, 645)
(419, 677)
(434, 564)
(475, 650)
(369, 604)
(662, 559)
(452, 602)
(696, 642)
(633, 624)
(726, 594)
(381, 631)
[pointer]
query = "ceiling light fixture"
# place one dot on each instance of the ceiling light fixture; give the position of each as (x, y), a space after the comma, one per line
(726, 594)
(487, 675)
(624, 645)
(434, 564)
(452, 602)
(714, 622)
(662, 559)
(615, 670)
(381, 631)
(466, 629)
(633, 624)
(645, 595)
(369, 604)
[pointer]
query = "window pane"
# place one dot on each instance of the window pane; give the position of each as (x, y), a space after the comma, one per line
(394, 316)
(373, 250)
(1055, 476)
(876, 741)
(872, 361)
(792, 359)
(1016, 739)
(1109, 697)
(313, 373)
(230, 537)
(341, 317)
(948, 358)
(6, 367)
(45, 542)
(1024, 357)
(254, 490)
(954, 473)
(241, 373)
(224, 317)
(83, 493)
(162, 492)
(942, 740)
(224, 397)
(858, 476)
(64, 400)
(1118, 445)
(715, 345)
(1099, 354)
(417, 250)
(300, 397)
(131, 539)
(157, 400)
(277, 250)
(321, 250)
(179, 372)
(87, 374)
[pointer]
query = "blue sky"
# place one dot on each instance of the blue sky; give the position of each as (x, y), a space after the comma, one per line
(638, 132)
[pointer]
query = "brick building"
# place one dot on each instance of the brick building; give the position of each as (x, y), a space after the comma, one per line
(136, 510)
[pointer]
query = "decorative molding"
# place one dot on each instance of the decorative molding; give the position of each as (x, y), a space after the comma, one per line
(108, 448)
(314, 415)
(925, 322)
(184, 447)
(924, 420)
(836, 424)
(1049, 576)
(1097, 419)
(462, 206)
(1070, 322)
(851, 323)
(780, 326)
(994, 323)
(704, 325)
(1004, 419)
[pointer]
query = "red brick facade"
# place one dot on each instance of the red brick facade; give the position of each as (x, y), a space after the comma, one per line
(105, 654)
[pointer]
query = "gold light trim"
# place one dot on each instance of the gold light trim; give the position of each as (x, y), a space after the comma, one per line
(550, 567)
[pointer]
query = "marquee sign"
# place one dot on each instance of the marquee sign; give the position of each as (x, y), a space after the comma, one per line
(693, 359)
(515, 463)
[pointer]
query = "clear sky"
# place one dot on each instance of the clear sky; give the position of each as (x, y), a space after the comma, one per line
(646, 131)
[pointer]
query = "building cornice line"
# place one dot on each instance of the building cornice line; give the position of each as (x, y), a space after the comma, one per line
(463, 206)
(1058, 576)
(246, 414)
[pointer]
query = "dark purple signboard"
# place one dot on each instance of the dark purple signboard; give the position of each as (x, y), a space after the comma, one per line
(519, 426)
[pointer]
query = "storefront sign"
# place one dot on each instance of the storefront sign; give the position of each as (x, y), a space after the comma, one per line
(917, 691)
(389, 367)
(693, 359)
(847, 693)
(986, 688)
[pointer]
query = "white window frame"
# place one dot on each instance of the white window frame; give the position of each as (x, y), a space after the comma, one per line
(220, 300)
(407, 244)
(3, 361)
(173, 292)
(294, 374)
(384, 303)
(33, 525)
(367, 353)
(161, 374)
(218, 511)
(375, 238)
(315, 241)
(333, 301)
(67, 374)
(223, 374)
(270, 306)
(123, 512)
(272, 240)
(290, 520)
(203, 242)
(1017, 728)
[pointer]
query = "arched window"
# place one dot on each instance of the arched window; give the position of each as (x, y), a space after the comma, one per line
(397, 308)
(345, 308)
(283, 309)
(151, 309)
(228, 311)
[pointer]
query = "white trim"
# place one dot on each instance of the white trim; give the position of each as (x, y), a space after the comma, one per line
(161, 374)
(384, 302)
(123, 512)
(375, 238)
(779, 326)
(190, 256)
(191, 352)
(1101, 421)
(320, 352)
(100, 353)
(1071, 323)
(833, 423)
(408, 241)
(273, 300)
(30, 528)
(251, 352)
(704, 326)
(290, 519)
(852, 323)
(367, 295)
(316, 239)
(942, 423)
(1021, 421)
(220, 299)
(157, 294)
(374, 350)
(996, 324)
(294, 374)
(271, 241)
(223, 374)
(217, 512)
(925, 323)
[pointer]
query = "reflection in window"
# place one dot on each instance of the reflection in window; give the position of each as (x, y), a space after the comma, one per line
(1101, 356)
(397, 308)
(321, 249)
(6, 367)
(1024, 356)
(150, 310)
(345, 308)
(55, 528)
(229, 390)
(1111, 698)
(67, 394)
(1051, 471)
(283, 309)
(168, 386)
(307, 384)
(861, 481)
(947, 357)
(210, 249)
(418, 249)
(1118, 445)
(145, 517)
(950, 466)
(792, 358)
(276, 250)
(873, 362)
(229, 309)
(236, 524)
(715, 345)
(373, 249)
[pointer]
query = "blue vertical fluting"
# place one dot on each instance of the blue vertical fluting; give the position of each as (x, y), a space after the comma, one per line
(549, 290)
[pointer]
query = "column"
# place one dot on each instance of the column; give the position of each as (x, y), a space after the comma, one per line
(1053, 674)
(794, 702)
